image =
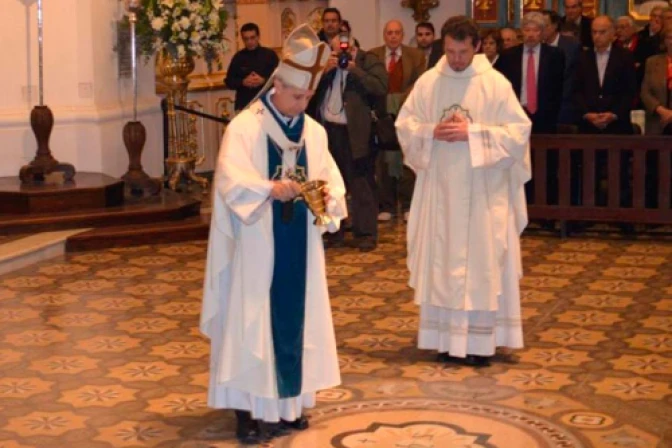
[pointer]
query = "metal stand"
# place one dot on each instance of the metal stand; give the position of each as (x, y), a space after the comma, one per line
(137, 181)
(42, 123)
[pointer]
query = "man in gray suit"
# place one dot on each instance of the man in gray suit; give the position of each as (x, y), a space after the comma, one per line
(342, 103)
(571, 48)
(404, 66)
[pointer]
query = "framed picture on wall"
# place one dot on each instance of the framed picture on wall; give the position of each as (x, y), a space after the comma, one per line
(640, 9)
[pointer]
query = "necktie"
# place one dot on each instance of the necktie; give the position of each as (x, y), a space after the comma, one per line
(393, 61)
(531, 83)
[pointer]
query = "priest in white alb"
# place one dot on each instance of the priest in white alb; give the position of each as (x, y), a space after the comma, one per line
(266, 304)
(465, 135)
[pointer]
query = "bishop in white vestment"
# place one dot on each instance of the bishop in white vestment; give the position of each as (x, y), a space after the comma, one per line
(465, 135)
(266, 304)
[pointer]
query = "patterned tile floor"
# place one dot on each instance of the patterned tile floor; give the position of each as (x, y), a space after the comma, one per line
(101, 350)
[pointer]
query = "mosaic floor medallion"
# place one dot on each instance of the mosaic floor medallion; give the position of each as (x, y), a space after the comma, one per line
(424, 423)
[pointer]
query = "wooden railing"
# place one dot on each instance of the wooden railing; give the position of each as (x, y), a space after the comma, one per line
(601, 178)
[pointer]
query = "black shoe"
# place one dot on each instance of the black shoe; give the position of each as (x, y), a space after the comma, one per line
(273, 430)
(367, 244)
(299, 424)
(477, 361)
(334, 239)
(248, 431)
(444, 357)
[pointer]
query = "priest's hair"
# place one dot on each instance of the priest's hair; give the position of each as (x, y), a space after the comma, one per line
(460, 28)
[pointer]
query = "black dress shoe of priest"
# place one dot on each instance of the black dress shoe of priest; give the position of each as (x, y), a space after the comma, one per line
(248, 431)
(444, 357)
(299, 424)
(477, 361)
(272, 430)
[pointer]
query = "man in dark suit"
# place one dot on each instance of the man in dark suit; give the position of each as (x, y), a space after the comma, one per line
(250, 68)
(435, 53)
(571, 48)
(649, 39)
(574, 14)
(604, 93)
(654, 26)
(606, 83)
(424, 38)
(342, 103)
(404, 66)
(536, 72)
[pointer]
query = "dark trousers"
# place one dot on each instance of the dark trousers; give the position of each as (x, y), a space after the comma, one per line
(360, 181)
(393, 190)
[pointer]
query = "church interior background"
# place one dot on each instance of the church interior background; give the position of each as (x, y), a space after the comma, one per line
(99, 341)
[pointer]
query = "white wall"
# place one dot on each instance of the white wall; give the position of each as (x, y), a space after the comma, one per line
(368, 17)
(89, 102)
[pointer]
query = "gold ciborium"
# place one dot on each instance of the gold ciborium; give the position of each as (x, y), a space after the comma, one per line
(312, 193)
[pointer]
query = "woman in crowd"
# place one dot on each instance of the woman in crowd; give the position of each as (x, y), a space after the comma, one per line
(657, 89)
(492, 44)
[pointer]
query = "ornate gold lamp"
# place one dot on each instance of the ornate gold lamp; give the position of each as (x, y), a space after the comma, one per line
(183, 154)
(178, 32)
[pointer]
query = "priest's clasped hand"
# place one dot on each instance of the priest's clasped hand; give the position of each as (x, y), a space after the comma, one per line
(453, 129)
(285, 190)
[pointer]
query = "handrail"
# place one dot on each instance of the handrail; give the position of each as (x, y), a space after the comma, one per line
(609, 178)
(202, 114)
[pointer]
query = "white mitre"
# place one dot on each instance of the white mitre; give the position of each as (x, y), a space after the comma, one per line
(303, 58)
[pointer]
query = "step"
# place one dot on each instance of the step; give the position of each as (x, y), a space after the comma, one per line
(165, 232)
(31, 249)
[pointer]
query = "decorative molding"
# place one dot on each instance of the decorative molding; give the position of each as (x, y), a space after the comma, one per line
(485, 11)
(287, 23)
(69, 115)
(533, 6)
(314, 18)
(591, 8)
(639, 10)
(420, 8)
(199, 82)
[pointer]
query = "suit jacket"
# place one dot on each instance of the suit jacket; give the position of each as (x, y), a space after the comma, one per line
(550, 80)
(571, 48)
(412, 63)
(435, 55)
(364, 85)
(585, 31)
(647, 46)
(618, 90)
(654, 92)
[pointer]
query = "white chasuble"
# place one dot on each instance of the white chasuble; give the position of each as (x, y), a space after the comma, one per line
(468, 207)
(239, 270)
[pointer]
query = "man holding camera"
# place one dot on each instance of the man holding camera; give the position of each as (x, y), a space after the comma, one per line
(342, 103)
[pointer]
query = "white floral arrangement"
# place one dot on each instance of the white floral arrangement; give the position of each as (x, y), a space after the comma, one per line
(183, 28)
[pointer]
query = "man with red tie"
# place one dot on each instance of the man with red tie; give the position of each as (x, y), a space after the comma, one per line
(536, 72)
(404, 66)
